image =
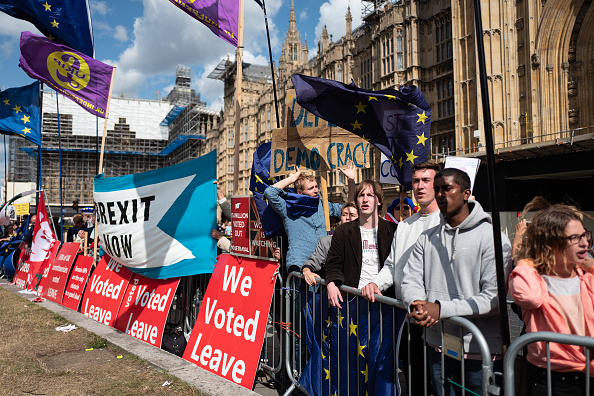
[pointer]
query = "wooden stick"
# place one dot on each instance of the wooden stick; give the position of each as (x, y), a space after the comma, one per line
(324, 176)
(402, 196)
(85, 243)
(101, 155)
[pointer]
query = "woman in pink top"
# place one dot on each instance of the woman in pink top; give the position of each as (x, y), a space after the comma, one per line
(554, 285)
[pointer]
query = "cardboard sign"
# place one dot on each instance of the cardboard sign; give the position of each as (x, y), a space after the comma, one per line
(310, 142)
(22, 209)
(228, 335)
(145, 307)
(77, 281)
(469, 165)
(22, 270)
(59, 271)
(105, 291)
(387, 171)
(240, 237)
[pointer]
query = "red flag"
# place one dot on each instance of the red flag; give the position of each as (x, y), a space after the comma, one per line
(44, 242)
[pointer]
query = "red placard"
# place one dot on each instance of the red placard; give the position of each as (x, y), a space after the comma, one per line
(228, 335)
(240, 219)
(59, 271)
(145, 307)
(22, 269)
(39, 270)
(105, 291)
(76, 283)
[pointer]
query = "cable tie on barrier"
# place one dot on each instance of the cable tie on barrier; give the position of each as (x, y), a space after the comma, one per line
(287, 327)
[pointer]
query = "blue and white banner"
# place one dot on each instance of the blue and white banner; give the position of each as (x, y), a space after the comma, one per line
(158, 223)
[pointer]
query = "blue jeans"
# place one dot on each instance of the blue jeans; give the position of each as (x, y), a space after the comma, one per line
(473, 374)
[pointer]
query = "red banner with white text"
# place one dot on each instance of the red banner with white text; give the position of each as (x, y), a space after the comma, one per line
(228, 335)
(59, 271)
(77, 281)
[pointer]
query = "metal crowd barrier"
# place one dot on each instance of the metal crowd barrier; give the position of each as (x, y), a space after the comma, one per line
(297, 354)
(548, 337)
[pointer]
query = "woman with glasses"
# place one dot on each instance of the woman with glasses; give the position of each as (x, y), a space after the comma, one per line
(553, 283)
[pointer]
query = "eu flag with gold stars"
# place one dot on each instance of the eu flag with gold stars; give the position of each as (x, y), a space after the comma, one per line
(20, 112)
(351, 350)
(65, 21)
(398, 123)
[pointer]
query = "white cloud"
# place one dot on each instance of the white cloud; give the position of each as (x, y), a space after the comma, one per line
(165, 37)
(303, 15)
(13, 27)
(332, 14)
(120, 33)
(100, 7)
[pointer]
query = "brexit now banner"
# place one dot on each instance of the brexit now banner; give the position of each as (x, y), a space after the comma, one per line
(158, 223)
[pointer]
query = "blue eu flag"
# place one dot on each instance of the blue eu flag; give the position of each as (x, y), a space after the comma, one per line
(66, 21)
(20, 112)
(297, 204)
(396, 122)
(351, 350)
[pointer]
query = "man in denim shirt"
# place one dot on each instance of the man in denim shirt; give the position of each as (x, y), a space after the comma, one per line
(303, 231)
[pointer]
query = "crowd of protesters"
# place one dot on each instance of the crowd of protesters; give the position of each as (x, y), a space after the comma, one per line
(436, 255)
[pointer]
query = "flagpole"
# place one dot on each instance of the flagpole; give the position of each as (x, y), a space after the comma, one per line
(5, 171)
(496, 222)
(60, 163)
(271, 65)
(101, 157)
(238, 81)
(40, 138)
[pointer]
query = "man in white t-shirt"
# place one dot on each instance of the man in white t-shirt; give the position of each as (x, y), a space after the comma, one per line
(359, 248)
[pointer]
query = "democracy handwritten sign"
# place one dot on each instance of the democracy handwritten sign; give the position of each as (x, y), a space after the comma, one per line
(311, 143)
(59, 271)
(145, 307)
(105, 291)
(228, 335)
(77, 281)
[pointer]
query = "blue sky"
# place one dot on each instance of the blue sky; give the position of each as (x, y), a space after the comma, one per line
(147, 39)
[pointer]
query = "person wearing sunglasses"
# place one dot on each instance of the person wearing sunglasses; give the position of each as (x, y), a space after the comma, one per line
(553, 283)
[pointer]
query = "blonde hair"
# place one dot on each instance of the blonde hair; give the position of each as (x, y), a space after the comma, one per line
(300, 182)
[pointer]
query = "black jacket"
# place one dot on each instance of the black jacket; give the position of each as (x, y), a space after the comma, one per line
(343, 266)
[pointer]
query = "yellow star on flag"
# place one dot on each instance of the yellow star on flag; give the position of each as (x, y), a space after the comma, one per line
(335, 394)
(26, 130)
(6, 102)
(356, 125)
(422, 117)
(327, 373)
(365, 373)
(324, 336)
(390, 97)
(48, 7)
(412, 104)
(340, 318)
(50, 37)
(25, 119)
(323, 356)
(259, 179)
(328, 322)
(372, 98)
(400, 162)
(360, 348)
(411, 156)
(360, 107)
(55, 24)
(353, 328)
(17, 109)
(422, 139)
(364, 138)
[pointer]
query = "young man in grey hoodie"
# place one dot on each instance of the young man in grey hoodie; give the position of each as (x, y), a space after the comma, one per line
(451, 272)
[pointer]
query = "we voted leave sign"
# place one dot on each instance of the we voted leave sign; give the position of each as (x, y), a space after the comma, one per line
(228, 335)
(105, 291)
(145, 306)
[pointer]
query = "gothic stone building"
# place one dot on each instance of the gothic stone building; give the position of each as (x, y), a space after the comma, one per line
(540, 72)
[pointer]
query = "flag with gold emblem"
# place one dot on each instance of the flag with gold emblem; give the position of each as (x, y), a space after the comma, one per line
(20, 112)
(64, 21)
(351, 350)
(79, 77)
(398, 123)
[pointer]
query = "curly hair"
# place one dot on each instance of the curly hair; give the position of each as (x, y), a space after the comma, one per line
(546, 235)
(301, 181)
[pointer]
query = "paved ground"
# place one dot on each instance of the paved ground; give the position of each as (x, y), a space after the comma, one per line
(202, 380)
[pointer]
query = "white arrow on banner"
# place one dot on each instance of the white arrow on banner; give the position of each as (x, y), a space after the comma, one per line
(141, 244)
